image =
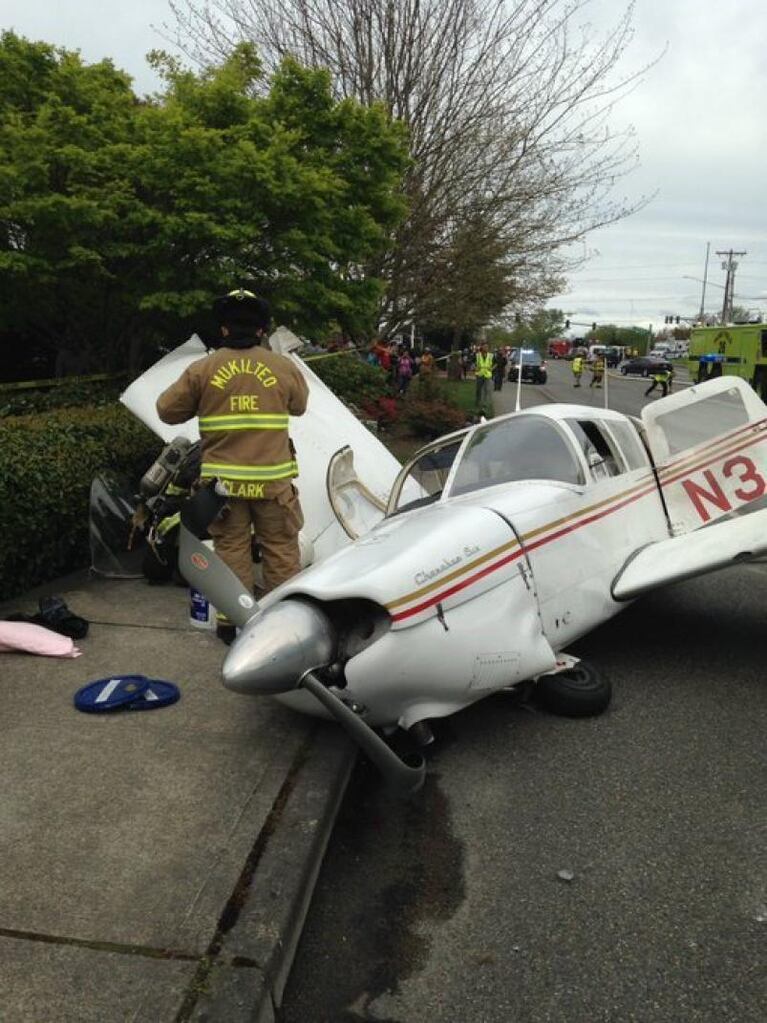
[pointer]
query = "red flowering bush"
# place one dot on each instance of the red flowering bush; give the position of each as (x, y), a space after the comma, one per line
(432, 418)
(384, 410)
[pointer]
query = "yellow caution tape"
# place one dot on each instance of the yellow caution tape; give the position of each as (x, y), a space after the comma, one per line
(28, 385)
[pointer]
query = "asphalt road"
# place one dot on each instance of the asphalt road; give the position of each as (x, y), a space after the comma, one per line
(566, 871)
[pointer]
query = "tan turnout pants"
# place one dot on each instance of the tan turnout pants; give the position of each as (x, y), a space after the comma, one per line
(276, 522)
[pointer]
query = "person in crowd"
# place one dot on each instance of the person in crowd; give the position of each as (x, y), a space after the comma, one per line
(465, 362)
(428, 364)
(499, 368)
(404, 371)
(483, 371)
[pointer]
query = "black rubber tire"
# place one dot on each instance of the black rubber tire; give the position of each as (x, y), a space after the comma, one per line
(624, 371)
(580, 692)
(645, 372)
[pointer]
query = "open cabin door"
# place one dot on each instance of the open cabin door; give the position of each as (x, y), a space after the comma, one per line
(709, 444)
(355, 506)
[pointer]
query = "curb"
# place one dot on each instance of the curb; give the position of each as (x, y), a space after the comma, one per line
(244, 976)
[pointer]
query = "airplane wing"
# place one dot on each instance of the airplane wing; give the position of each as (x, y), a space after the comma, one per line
(721, 545)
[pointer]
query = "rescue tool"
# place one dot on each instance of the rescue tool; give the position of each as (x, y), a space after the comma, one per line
(497, 547)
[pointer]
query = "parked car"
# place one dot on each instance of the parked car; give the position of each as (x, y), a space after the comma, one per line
(533, 367)
(645, 365)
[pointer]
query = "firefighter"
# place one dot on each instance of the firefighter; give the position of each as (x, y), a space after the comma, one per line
(597, 371)
(662, 377)
(243, 394)
(577, 370)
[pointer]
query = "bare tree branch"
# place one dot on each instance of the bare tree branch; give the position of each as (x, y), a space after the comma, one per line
(508, 105)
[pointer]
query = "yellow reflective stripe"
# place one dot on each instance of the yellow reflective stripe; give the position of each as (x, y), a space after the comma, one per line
(220, 427)
(249, 472)
(281, 417)
(244, 421)
(169, 523)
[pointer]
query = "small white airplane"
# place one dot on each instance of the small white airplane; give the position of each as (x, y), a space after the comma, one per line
(497, 547)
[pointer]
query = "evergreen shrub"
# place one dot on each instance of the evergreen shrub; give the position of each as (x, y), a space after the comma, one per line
(73, 393)
(350, 378)
(47, 462)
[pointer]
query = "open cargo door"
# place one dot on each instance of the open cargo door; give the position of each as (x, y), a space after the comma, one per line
(709, 445)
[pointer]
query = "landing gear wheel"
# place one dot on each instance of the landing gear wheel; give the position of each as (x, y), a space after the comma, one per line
(578, 692)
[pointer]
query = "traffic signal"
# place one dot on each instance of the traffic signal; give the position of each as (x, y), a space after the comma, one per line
(567, 324)
(593, 326)
(677, 319)
(666, 319)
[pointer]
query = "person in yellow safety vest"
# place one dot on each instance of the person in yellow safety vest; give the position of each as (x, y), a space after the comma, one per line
(577, 370)
(597, 371)
(243, 394)
(662, 377)
(483, 372)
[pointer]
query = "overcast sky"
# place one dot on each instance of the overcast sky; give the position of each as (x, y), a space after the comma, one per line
(699, 118)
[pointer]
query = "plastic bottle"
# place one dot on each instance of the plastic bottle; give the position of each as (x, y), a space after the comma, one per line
(202, 614)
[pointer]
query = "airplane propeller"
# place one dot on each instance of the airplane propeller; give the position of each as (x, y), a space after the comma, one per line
(278, 648)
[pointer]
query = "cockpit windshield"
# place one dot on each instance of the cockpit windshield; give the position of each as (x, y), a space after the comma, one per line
(520, 448)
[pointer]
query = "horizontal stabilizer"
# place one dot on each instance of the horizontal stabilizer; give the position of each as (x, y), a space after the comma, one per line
(683, 557)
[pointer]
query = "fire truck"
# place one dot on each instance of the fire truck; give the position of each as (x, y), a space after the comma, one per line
(558, 348)
(732, 350)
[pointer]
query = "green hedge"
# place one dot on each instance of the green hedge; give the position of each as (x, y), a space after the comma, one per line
(47, 462)
(32, 400)
(351, 378)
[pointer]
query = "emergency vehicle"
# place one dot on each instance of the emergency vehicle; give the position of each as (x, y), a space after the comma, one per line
(559, 348)
(733, 350)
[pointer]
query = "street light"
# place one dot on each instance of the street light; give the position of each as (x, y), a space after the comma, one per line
(700, 280)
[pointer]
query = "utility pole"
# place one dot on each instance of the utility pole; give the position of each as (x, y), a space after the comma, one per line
(702, 315)
(729, 284)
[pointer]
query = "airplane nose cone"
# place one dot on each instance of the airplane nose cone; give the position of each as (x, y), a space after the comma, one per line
(277, 647)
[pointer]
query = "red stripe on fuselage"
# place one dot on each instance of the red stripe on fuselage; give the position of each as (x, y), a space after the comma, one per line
(535, 545)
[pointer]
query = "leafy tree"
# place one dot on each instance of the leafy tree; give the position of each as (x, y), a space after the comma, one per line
(62, 197)
(121, 219)
(611, 334)
(528, 331)
(508, 105)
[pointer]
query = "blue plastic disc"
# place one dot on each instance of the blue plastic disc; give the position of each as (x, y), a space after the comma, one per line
(108, 694)
(157, 694)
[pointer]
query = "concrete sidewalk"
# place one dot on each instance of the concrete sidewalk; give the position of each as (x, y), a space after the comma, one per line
(156, 866)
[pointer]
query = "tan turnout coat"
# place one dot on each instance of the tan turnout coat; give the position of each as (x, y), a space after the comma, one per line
(243, 397)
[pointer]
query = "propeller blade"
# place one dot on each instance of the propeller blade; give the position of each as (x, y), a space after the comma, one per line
(400, 776)
(204, 570)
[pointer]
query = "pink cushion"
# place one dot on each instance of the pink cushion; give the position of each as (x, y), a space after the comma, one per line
(34, 639)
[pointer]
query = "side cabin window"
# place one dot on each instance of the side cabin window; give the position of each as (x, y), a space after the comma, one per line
(602, 454)
(629, 442)
(430, 471)
(520, 448)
